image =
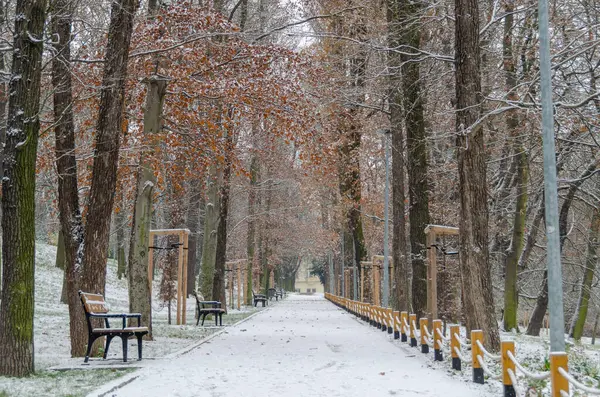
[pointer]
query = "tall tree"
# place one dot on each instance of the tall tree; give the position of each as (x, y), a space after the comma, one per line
(18, 191)
(106, 153)
(66, 165)
(580, 315)
(474, 252)
(399, 248)
(416, 147)
(520, 180)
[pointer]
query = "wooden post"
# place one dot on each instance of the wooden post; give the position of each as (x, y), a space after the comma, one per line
(431, 275)
(437, 340)
(454, 334)
(239, 285)
(559, 382)
(390, 320)
(403, 322)
(185, 274)
(412, 318)
(423, 327)
(150, 261)
(507, 364)
(179, 286)
(477, 335)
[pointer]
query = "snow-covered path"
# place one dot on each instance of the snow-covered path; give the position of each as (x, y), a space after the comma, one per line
(303, 346)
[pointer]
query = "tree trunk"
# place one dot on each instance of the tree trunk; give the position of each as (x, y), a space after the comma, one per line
(251, 237)
(595, 328)
(106, 153)
(3, 103)
(66, 166)
(18, 192)
(416, 146)
(586, 285)
(512, 260)
(218, 291)
(541, 305)
(211, 223)
(400, 293)
(473, 237)
(140, 299)
(193, 215)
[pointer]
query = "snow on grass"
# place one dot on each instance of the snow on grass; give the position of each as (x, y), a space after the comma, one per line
(51, 331)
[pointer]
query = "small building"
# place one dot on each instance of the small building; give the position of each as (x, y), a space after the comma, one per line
(307, 283)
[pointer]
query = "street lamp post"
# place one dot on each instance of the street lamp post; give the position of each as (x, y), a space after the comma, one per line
(555, 291)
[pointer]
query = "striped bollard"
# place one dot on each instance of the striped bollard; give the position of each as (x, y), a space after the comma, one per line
(559, 382)
(403, 330)
(454, 334)
(390, 320)
(509, 388)
(422, 328)
(476, 335)
(437, 341)
(412, 318)
(397, 326)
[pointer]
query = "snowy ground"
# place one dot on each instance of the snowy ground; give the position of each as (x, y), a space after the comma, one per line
(52, 348)
(302, 346)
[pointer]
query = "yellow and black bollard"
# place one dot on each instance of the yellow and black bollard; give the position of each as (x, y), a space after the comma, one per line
(560, 384)
(403, 322)
(412, 318)
(507, 364)
(422, 330)
(397, 326)
(390, 320)
(477, 335)
(437, 341)
(454, 334)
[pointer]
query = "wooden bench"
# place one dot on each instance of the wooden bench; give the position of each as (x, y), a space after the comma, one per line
(204, 308)
(259, 298)
(95, 307)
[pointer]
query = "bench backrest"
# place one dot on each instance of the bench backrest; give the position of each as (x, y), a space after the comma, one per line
(93, 303)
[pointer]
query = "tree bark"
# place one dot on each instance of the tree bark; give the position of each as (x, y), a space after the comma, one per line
(218, 291)
(106, 154)
(541, 304)
(140, 299)
(399, 247)
(251, 236)
(416, 146)
(18, 192)
(66, 165)
(193, 221)
(580, 316)
(473, 237)
(211, 223)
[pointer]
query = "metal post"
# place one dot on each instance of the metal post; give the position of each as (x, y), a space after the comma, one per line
(555, 292)
(386, 269)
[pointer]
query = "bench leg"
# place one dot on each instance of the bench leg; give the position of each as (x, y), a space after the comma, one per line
(221, 319)
(255, 303)
(108, 339)
(203, 318)
(89, 349)
(124, 340)
(198, 320)
(139, 340)
(216, 319)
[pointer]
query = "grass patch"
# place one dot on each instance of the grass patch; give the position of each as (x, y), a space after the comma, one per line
(76, 383)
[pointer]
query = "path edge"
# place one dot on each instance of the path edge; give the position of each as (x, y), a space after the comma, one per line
(113, 386)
